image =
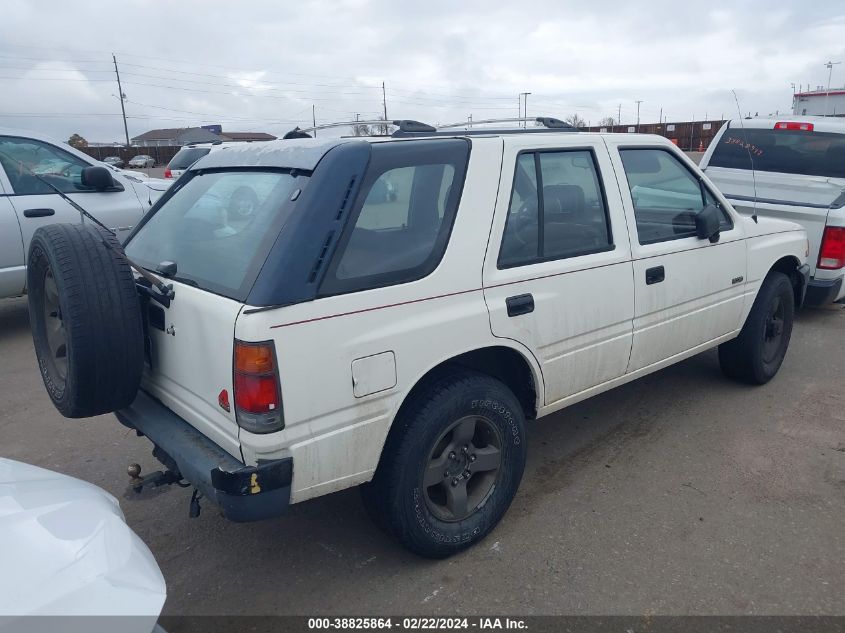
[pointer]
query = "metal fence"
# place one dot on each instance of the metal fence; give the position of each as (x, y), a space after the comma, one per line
(690, 136)
(162, 154)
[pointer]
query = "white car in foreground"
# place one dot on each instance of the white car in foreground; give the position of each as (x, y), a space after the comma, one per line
(799, 175)
(30, 165)
(67, 551)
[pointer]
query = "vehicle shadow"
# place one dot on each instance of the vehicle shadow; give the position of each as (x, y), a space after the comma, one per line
(14, 318)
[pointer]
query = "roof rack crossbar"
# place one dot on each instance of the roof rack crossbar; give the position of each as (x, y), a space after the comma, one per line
(544, 121)
(404, 125)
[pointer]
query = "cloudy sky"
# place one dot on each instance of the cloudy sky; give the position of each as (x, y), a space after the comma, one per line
(261, 65)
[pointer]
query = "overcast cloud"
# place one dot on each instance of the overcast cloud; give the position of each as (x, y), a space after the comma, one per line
(259, 66)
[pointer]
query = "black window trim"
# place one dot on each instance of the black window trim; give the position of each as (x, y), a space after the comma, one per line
(697, 177)
(541, 259)
(331, 286)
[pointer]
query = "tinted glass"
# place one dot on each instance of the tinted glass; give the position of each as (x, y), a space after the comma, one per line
(521, 239)
(187, 156)
(21, 158)
(402, 216)
(571, 220)
(666, 195)
(218, 228)
(785, 151)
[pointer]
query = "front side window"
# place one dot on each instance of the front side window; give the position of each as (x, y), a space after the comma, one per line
(23, 157)
(218, 228)
(402, 217)
(557, 209)
(666, 195)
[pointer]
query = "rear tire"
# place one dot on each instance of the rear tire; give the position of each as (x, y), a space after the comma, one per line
(756, 355)
(451, 465)
(85, 318)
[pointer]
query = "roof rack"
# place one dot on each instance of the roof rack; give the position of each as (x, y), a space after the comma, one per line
(410, 127)
(545, 124)
(407, 125)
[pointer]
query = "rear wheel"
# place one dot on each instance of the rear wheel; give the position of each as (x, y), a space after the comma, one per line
(85, 319)
(756, 355)
(451, 466)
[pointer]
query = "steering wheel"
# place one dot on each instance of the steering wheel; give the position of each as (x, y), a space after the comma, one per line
(523, 224)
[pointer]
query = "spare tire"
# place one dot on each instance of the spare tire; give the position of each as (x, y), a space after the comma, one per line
(85, 317)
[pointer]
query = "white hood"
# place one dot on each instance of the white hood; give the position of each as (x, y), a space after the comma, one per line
(66, 550)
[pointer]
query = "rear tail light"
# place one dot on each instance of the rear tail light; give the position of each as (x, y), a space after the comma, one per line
(794, 125)
(168, 173)
(258, 397)
(832, 252)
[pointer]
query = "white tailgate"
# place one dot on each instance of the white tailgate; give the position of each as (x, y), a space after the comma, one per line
(192, 362)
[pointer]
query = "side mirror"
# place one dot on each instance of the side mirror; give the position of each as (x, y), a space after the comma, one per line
(707, 223)
(98, 178)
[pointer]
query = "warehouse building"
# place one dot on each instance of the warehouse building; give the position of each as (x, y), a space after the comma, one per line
(819, 102)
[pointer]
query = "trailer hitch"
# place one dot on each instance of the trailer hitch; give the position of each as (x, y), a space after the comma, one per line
(155, 479)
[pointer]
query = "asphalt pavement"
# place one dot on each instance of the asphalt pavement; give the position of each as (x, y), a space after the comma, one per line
(680, 493)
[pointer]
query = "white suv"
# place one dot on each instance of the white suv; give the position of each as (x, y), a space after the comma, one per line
(320, 336)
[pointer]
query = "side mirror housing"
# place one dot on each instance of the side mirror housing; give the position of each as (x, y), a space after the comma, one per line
(98, 178)
(707, 223)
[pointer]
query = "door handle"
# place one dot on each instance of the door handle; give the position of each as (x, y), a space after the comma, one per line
(654, 275)
(38, 213)
(520, 304)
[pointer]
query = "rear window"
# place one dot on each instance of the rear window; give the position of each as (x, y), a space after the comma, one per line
(187, 156)
(218, 228)
(784, 151)
(401, 221)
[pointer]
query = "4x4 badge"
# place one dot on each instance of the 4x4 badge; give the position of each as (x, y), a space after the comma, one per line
(736, 280)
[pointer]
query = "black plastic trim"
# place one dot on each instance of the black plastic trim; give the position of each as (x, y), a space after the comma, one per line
(822, 291)
(244, 493)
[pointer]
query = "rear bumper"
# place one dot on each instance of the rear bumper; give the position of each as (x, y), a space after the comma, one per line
(823, 291)
(243, 493)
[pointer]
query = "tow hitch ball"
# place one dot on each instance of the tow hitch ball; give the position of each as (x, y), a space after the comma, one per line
(156, 479)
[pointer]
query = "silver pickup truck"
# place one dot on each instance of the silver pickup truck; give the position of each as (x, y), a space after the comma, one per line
(793, 169)
(30, 165)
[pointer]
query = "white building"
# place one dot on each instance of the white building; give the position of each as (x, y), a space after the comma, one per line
(819, 102)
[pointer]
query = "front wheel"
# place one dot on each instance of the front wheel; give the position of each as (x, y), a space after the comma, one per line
(451, 466)
(757, 353)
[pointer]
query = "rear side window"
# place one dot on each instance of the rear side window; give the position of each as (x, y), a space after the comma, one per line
(784, 151)
(403, 215)
(187, 156)
(666, 195)
(557, 209)
(218, 228)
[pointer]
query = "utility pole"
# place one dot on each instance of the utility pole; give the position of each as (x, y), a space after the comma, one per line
(619, 116)
(384, 103)
(829, 65)
(525, 96)
(470, 121)
(638, 115)
(314, 119)
(121, 96)
(660, 120)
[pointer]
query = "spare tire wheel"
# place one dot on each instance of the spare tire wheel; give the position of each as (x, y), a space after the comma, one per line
(85, 318)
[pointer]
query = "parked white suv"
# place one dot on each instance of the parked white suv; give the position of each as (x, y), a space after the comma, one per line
(190, 154)
(29, 165)
(319, 337)
(798, 174)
